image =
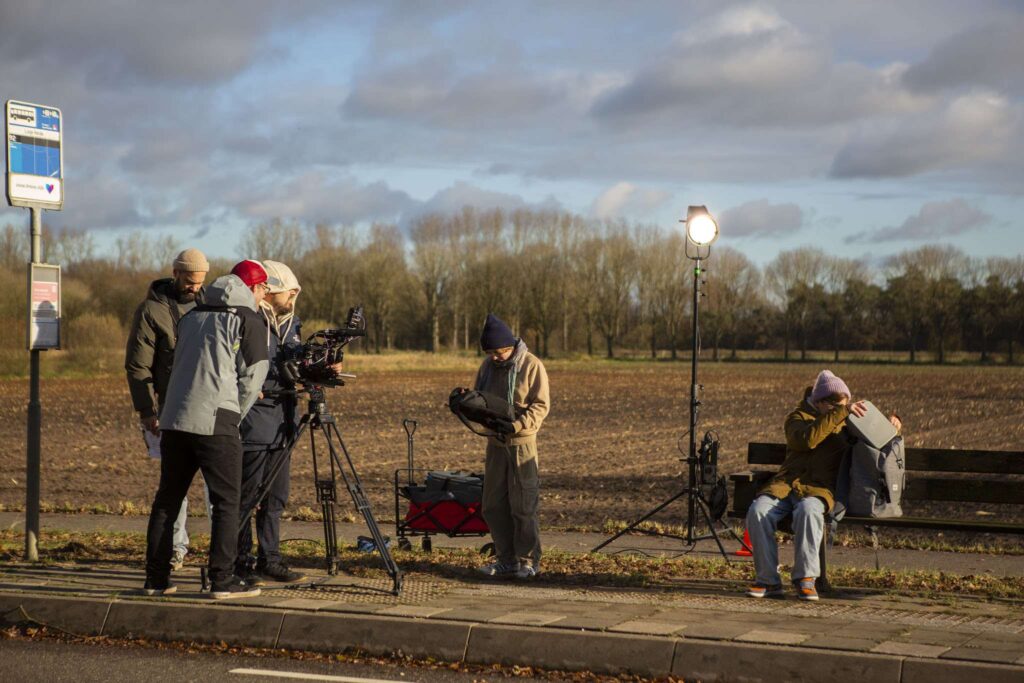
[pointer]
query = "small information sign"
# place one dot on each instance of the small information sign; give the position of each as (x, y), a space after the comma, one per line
(35, 175)
(43, 306)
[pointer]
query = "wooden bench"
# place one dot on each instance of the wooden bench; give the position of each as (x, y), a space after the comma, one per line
(928, 481)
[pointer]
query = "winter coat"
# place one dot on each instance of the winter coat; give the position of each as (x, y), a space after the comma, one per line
(151, 340)
(220, 362)
(272, 420)
(530, 394)
(815, 445)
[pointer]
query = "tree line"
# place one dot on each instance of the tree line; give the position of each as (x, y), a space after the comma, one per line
(571, 285)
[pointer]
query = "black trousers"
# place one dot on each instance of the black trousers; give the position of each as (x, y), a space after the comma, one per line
(220, 460)
(257, 466)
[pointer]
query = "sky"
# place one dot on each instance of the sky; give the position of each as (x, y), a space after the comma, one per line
(864, 128)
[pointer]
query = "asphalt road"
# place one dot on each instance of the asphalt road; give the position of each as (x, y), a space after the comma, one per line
(52, 661)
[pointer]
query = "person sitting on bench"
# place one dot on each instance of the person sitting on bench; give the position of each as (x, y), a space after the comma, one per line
(804, 487)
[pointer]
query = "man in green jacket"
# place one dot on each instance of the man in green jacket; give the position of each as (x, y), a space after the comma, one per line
(150, 353)
(804, 487)
(511, 483)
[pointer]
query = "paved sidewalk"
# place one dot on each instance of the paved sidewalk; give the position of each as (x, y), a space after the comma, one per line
(693, 629)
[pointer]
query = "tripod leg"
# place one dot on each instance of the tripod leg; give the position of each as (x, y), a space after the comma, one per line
(326, 495)
(640, 521)
(703, 506)
(362, 504)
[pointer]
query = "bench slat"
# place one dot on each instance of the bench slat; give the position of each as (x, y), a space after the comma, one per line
(919, 459)
(964, 491)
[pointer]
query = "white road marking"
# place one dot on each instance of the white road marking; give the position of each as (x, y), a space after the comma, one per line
(310, 677)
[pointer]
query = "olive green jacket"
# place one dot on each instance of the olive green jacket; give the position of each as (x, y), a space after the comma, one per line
(150, 351)
(815, 445)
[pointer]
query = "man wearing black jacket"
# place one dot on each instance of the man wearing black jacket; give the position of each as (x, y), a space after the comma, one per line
(149, 355)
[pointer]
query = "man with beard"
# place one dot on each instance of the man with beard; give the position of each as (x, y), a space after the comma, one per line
(150, 354)
(267, 430)
(511, 483)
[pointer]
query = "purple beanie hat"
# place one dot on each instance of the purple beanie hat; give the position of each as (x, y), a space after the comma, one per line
(828, 384)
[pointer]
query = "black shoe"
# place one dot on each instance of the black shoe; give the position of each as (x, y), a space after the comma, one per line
(249, 576)
(159, 587)
(280, 573)
(235, 588)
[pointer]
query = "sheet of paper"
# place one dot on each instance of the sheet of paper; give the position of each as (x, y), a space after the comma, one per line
(152, 443)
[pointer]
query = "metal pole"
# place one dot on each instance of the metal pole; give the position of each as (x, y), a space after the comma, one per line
(35, 421)
(694, 405)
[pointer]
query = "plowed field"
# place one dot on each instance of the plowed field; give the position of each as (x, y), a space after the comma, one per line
(608, 449)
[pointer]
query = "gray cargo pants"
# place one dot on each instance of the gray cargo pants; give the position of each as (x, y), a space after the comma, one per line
(510, 501)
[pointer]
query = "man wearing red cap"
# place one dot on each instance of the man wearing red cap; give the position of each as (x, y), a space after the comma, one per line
(220, 362)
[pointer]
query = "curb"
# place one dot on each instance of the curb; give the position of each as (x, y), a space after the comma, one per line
(548, 648)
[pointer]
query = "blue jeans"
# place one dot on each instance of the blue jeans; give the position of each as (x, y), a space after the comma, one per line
(763, 519)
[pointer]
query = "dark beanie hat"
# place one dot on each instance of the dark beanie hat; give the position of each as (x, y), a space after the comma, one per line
(496, 334)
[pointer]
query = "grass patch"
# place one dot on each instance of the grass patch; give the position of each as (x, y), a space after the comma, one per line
(560, 568)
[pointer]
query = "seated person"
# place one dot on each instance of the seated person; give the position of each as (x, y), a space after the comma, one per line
(804, 487)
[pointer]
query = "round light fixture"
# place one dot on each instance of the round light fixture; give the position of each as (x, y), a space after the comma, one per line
(701, 228)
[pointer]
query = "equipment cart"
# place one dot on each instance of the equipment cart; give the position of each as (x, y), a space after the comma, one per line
(446, 503)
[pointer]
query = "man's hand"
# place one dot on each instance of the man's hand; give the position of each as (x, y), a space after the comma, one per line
(896, 421)
(151, 424)
(859, 409)
(336, 368)
(502, 426)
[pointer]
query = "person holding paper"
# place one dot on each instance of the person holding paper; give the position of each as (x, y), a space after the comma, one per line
(804, 487)
(149, 357)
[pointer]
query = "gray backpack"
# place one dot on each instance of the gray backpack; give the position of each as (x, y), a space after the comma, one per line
(877, 478)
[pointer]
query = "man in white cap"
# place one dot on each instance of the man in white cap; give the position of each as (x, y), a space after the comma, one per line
(804, 487)
(149, 355)
(267, 430)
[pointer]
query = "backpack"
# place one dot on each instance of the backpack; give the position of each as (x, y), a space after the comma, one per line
(875, 479)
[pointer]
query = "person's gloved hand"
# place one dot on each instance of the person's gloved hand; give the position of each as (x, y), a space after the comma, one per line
(502, 426)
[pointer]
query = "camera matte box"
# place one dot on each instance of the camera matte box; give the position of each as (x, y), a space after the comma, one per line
(874, 427)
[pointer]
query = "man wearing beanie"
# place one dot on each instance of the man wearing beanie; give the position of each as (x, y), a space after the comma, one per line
(511, 483)
(267, 430)
(804, 487)
(150, 354)
(220, 363)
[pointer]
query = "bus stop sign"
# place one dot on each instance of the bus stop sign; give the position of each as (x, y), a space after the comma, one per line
(35, 174)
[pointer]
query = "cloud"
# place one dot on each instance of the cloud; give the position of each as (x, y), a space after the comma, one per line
(118, 42)
(624, 200)
(988, 56)
(761, 218)
(935, 220)
(461, 194)
(315, 197)
(971, 130)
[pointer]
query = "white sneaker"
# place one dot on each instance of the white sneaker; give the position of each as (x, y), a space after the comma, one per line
(499, 569)
(177, 561)
(526, 571)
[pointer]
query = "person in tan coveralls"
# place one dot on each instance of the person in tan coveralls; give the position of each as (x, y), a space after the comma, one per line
(511, 483)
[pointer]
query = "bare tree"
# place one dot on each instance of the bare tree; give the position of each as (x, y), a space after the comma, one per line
(433, 268)
(789, 278)
(274, 240)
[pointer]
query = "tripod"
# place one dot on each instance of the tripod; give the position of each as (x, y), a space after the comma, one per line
(319, 419)
(696, 502)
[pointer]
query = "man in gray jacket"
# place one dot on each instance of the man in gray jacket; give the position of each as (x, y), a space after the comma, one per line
(220, 363)
(149, 354)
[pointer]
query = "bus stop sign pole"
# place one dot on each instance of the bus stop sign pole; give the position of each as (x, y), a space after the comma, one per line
(35, 424)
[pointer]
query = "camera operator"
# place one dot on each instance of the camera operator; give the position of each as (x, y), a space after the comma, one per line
(220, 363)
(150, 353)
(267, 431)
(511, 483)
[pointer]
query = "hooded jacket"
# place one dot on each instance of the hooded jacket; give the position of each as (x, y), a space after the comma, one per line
(220, 362)
(149, 354)
(815, 445)
(523, 382)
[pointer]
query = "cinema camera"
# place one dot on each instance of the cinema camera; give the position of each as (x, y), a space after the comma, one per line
(324, 349)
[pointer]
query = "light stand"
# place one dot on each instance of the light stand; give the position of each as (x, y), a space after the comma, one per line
(701, 231)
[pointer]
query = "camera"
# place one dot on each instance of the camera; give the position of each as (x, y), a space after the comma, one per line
(312, 363)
